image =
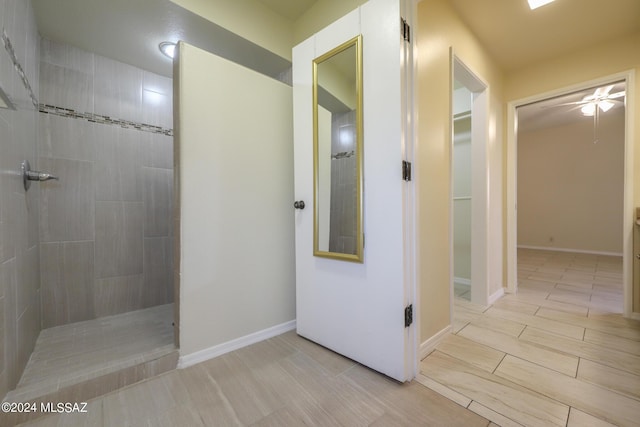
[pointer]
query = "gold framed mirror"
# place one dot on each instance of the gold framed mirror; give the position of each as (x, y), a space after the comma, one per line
(337, 153)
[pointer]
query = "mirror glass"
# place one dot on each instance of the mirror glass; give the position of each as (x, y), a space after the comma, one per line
(337, 126)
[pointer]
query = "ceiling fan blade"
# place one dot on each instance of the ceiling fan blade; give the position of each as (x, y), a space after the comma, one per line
(616, 95)
(603, 91)
(566, 103)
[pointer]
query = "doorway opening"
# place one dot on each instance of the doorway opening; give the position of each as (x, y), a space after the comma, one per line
(469, 201)
(575, 216)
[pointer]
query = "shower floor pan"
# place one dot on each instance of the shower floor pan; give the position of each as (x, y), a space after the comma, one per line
(80, 361)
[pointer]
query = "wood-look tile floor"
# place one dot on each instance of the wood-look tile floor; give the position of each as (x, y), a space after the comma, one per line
(557, 353)
(283, 381)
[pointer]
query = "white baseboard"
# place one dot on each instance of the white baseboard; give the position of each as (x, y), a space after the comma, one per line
(634, 316)
(429, 345)
(580, 251)
(462, 281)
(496, 296)
(220, 349)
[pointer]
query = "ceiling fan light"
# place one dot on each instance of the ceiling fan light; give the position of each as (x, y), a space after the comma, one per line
(605, 105)
(588, 109)
(534, 4)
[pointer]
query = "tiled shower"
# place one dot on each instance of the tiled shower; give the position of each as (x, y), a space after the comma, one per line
(98, 242)
(105, 227)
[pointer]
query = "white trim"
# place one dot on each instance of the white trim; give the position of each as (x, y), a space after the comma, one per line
(462, 281)
(580, 251)
(430, 344)
(409, 102)
(229, 346)
(496, 296)
(627, 223)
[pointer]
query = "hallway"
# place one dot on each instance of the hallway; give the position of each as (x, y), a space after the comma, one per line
(557, 353)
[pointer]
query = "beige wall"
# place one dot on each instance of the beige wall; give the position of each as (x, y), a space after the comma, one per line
(321, 14)
(570, 190)
(249, 19)
(439, 27)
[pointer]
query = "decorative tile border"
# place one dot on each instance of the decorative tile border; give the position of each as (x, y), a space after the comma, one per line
(18, 67)
(343, 155)
(66, 112)
(105, 120)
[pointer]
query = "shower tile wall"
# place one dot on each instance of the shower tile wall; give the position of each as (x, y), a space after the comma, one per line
(19, 257)
(105, 227)
(342, 233)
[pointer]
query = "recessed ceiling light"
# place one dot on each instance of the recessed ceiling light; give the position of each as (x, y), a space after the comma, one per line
(534, 4)
(167, 48)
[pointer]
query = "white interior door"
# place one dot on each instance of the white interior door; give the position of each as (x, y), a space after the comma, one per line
(358, 309)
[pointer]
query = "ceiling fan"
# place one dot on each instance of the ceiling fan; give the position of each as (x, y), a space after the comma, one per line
(601, 101)
(601, 98)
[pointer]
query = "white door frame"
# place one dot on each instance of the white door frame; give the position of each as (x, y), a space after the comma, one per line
(512, 176)
(480, 180)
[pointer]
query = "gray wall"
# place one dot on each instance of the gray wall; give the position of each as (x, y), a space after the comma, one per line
(19, 259)
(105, 227)
(570, 190)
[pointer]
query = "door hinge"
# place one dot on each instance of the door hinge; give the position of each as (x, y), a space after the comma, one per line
(406, 170)
(408, 315)
(405, 30)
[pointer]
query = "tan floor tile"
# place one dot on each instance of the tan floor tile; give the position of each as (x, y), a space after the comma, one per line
(543, 302)
(496, 418)
(500, 325)
(585, 350)
(443, 390)
(553, 326)
(559, 362)
(612, 341)
(614, 379)
(610, 327)
(586, 397)
(478, 355)
(491, 391)
(577, 418)
(412, 402)
(517, 306)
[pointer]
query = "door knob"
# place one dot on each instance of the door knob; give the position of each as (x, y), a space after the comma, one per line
(298, 205)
